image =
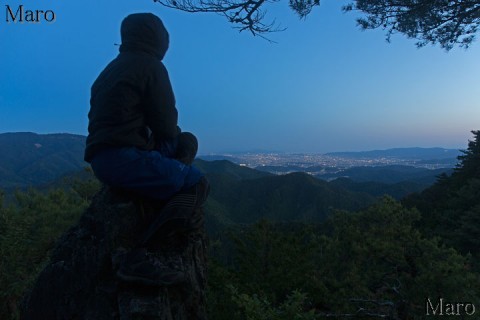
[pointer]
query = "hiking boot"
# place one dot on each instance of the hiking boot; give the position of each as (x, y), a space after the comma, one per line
(202, 190)
(182, 214)
(142, 268)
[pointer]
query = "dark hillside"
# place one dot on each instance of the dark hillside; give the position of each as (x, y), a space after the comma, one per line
(403, 153)
(291, 197)
(378, 189)
(389, 174)
(32, 159)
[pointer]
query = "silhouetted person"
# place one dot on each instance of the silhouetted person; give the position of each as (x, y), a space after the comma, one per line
(134, 141)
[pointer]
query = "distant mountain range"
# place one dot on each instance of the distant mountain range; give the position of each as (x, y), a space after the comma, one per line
(34, 159)
(402, 153)
(331, 165)
(239, 194)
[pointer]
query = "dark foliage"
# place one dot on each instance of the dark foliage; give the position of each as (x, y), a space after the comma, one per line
(451, 207)
(445, 22)
(374, 263)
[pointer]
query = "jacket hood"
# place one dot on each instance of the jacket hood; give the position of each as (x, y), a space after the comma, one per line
(144, 32)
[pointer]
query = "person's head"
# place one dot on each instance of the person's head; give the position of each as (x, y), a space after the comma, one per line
(144, 32)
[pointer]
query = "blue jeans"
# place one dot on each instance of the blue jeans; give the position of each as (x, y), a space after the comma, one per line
(154, 174)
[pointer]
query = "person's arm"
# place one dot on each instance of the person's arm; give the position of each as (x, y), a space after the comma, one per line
(161, 113)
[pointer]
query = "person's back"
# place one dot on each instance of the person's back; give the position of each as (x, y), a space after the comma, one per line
(116, 114)
(133, 118)
(135, 144)
(132, 100)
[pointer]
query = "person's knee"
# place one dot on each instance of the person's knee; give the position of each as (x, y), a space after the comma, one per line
(187, 147)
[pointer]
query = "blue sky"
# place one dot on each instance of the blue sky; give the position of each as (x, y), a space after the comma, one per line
(324, 86)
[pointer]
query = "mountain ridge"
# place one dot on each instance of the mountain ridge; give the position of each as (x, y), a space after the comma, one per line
(406, 153)
(27, 158)
(239, 194)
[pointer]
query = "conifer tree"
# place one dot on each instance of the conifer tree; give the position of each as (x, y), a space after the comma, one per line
(451, 207)
(469, 163)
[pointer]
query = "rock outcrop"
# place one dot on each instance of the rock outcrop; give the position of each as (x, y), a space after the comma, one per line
(80, 280)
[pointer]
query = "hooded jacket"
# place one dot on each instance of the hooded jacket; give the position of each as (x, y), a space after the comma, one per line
(132, 102)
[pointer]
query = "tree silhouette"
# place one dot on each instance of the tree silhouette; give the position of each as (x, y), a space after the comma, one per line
(444, 22)
(451, 207)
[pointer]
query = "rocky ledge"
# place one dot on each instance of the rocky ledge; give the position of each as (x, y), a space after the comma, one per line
(80, 280)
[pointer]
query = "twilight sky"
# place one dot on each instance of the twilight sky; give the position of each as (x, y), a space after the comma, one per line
(324, 86)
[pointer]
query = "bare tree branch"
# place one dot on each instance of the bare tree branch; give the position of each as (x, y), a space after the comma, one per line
(246, 14)
(446, 22)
